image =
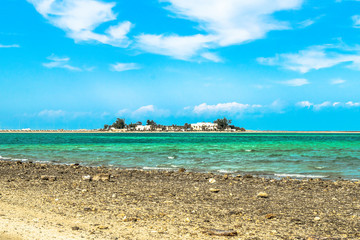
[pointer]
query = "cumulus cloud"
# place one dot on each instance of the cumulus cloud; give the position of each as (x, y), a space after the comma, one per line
(143, 112)
(173, 45)
(315, 58)
(120, 67)
(306, 104)
(225, 23)
(326, 104)
(60, 62)
(9, 46)
(234, 108)
(80, 18)
(353, 104)
(295, 82)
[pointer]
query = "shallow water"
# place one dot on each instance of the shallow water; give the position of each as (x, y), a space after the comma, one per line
(296, 155)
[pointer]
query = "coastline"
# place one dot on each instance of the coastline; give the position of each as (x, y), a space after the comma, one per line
(237, 132)
(45, 201)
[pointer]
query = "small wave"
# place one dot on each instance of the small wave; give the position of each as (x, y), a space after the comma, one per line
(320, 168)
(170, 157)
(299, 175)
(248, 150)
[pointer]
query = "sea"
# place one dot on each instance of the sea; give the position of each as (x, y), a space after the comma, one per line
(296, 155)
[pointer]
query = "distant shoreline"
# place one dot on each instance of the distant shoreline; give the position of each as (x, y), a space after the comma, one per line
(119, 131)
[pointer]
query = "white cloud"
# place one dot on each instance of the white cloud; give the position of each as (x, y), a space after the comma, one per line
(337, 81)
(322, 105)
(316, 57)
(149, 111)
(58, 62)
(9, 46)
(144, 110)
(120, 67)
(232, 107)
(80, 18)
(326, 104)
(224, 23)
(52, 113)
(356, 21)
(296, 82)
(306, 23)
(353, 104)
(304, 104)
(173, 45)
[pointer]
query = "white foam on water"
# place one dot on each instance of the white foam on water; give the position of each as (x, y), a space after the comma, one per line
(20, 159)
(299, 175)
(170, 157)
(157, 168)
(319, 168)
(248, 150)
(225, 171)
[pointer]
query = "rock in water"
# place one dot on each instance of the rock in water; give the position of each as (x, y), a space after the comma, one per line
(102, 177)
(262, 195)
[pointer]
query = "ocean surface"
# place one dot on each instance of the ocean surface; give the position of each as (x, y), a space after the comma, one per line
(273, 155)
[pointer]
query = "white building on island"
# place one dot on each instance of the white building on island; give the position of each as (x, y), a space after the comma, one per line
(143, 128)
(204, 126)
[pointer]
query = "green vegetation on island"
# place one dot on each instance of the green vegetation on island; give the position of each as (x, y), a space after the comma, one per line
(221, 124)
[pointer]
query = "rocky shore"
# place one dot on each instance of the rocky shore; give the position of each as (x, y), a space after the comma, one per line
(44, 201)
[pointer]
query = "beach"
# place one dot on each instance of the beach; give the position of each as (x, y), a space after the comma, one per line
(46, 201)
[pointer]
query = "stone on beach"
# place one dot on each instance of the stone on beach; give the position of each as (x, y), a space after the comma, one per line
(212, 180)
(270, 216)
(47, 177)
(215, 190)
(101, 177)
(86, 178)
(262, 195)
(216, 232)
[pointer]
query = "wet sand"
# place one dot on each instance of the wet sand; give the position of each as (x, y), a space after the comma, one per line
(44, 201)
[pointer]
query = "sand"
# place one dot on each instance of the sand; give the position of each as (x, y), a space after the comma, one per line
(44, 201)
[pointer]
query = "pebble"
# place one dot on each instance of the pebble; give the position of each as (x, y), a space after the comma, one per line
(212, 180)
(101, 227)
(181, 170)
(316, 219)
(102, 177)
(49, 178)
(215, 190)
(270, 216)
(262, 195)
(75, 228)
(217, 232)
(86, 178)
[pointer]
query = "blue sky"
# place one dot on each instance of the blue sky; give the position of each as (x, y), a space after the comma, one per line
(280, 64)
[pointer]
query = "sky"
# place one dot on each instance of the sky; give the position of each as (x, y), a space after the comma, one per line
(265, 64)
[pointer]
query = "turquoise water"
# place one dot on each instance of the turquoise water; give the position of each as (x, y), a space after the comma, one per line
(297, 155)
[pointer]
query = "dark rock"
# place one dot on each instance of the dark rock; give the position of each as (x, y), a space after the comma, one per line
(217, 232)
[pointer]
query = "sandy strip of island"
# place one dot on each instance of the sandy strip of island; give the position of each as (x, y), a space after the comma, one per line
(44, 201)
